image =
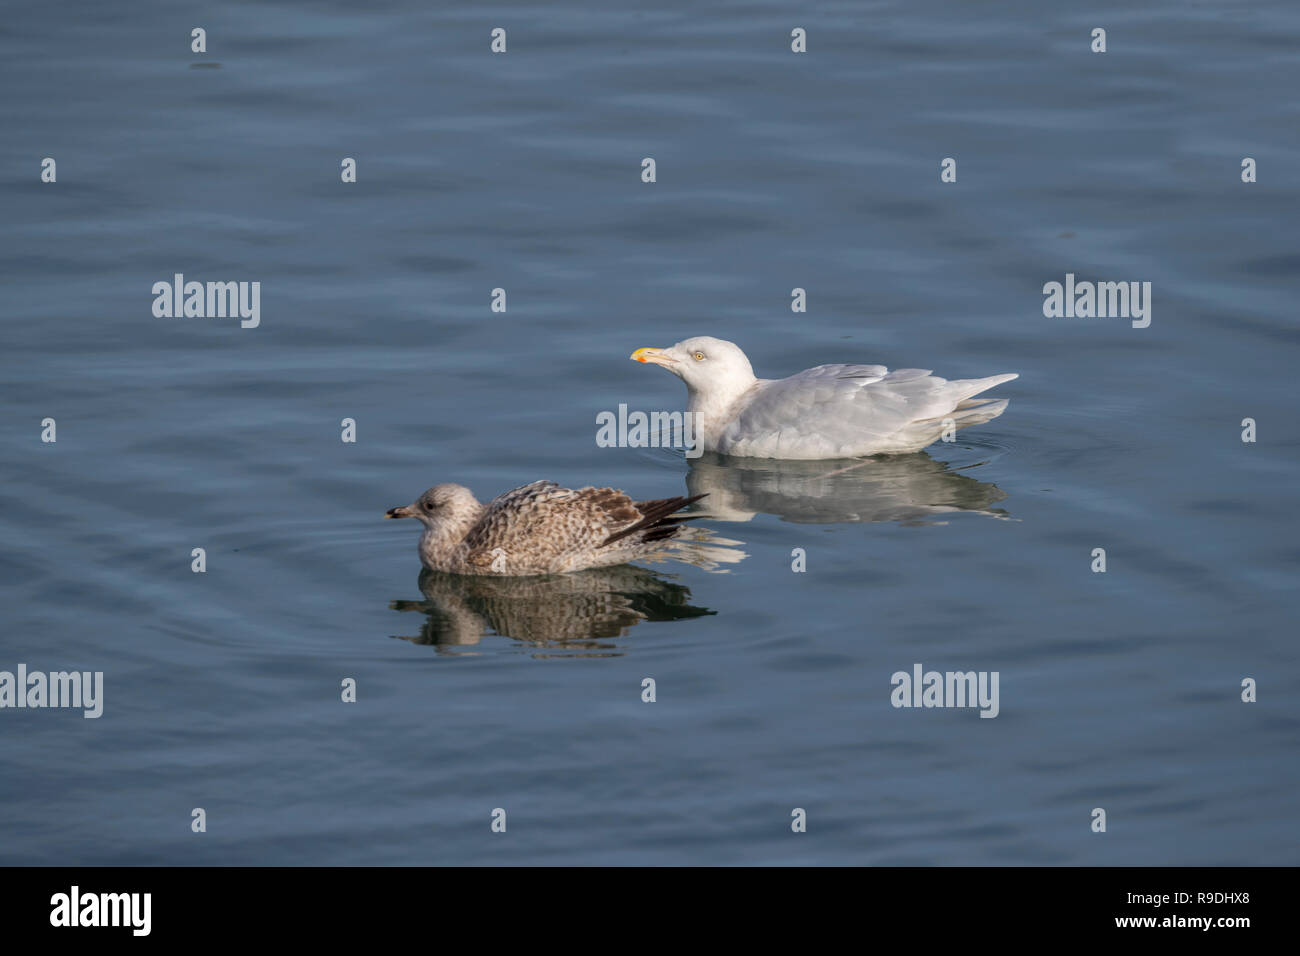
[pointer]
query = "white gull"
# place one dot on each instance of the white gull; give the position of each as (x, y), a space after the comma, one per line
(831, 411)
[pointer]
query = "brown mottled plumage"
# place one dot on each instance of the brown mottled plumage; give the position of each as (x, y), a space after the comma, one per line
(540, 528)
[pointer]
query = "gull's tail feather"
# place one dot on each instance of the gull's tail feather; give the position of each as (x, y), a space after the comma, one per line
(659, 519)
(964, 389)
(977, 413)
(966, 410)
(960, 392)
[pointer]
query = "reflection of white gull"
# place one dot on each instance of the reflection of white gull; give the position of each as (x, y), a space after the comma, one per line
(831, 411)
(909, 489)
(541, 528)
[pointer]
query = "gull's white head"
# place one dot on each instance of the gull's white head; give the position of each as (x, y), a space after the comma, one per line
(708, 366)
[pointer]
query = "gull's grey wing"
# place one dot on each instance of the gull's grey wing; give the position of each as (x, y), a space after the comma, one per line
(840, 410)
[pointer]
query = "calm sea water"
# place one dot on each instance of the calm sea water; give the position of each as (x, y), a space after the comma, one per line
(775, 170)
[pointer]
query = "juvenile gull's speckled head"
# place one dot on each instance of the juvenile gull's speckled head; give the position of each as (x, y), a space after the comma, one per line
(441, 503)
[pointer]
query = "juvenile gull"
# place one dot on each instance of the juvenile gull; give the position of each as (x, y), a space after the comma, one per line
(540, 528)
(831, 411)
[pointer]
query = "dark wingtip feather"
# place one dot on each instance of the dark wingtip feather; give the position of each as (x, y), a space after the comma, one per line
(658, 520)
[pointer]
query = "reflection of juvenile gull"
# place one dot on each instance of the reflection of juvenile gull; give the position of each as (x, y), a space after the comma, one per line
(540, 528)
(569, 609)
(831, 411)
(909, 489)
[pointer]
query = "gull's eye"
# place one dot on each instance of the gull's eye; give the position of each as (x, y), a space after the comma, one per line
(698, 356)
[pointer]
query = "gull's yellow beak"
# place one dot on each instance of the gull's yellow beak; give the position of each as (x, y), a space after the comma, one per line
(657, 356)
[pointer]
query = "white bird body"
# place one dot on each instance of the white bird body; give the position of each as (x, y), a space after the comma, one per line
(831, 411)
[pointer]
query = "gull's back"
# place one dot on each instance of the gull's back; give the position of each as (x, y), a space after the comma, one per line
(845, 411)
(541, 528)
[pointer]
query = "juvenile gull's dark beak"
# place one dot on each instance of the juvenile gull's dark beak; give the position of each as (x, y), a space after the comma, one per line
(402, 512)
